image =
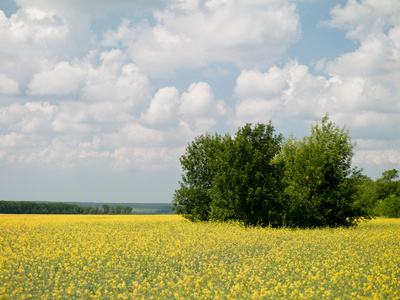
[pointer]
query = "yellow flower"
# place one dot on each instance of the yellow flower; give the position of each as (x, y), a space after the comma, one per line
(166, 257)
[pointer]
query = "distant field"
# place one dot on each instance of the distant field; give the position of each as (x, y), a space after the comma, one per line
(166, 257)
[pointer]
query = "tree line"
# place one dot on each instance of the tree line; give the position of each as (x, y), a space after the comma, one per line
(27, 207)
(382, 196)
(259, 178)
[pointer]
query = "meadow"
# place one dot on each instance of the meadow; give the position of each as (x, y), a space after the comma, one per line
(167, 257)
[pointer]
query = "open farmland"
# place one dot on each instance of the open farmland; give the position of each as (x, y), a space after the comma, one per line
(166, 257)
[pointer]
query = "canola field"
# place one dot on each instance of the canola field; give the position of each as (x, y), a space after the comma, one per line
(167, 257)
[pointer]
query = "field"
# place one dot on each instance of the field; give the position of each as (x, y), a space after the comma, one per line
(166, 257)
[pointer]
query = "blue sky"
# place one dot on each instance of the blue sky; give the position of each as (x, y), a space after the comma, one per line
(98, 99)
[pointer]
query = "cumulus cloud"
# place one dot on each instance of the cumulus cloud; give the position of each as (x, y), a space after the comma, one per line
(378, 157)
(11, 140)
(62, 153)
(116, 80)
(190, 34)
(33, 40)
(192, 112)
(364, 105)
(63, 79)
(376, 27)
(278, 93)
(376, 57)
(133, 134)
(142, 158)
(81, 99)
(163, 106)
(30, 117)
(254, 84)
(360, 88)
(7, 85)
(362, 18)
(197, 100)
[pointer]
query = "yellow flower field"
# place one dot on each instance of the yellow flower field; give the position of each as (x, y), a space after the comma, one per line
(167, 257)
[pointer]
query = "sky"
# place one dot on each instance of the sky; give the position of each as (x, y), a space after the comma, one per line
(99, 98)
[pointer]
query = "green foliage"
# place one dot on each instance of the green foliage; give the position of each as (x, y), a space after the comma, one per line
(385, 194)
(321, 186)
(388, 176)
(388, 207)
(199, 165)
(253, 178)
(367, 195)
(386, 185)
(248, 185)
(232, 178)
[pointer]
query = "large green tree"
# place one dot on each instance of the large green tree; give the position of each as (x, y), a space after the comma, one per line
(192, 199)
(254, 178)
(248, 185)
(321, 186)
(232, 177)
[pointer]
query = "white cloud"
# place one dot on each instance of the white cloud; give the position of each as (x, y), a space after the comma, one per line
(254, 84)
(142, 158)
(374, 57)
(66, 154)
(162, 107)
(12, 140)
(84, 100)
(378, 157)
(30, 117)
(181, 117)
(133, 134)
(197, 100)
(376, 26)
(290, 91)
(63, 79)
(198, 111)
(363, 18)
(257, 110)
(365, 106)
(361, 87)
(71, 118)
(191, 34)
(31, 40)
(109, 112)
(116, 81)
(7, 85)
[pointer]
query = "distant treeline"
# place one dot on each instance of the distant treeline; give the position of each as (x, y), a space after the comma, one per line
(27, 207)
(137, 208)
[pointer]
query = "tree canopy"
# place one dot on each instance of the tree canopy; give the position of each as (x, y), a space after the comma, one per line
(321, 186)
(259, 178)
(382, 197)
(247, 183)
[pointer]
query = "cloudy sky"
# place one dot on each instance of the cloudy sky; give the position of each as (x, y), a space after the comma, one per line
(99, 98)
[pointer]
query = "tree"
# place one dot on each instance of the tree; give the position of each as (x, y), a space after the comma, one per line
(389, 175)
(367, 195)
(232, 177)
(253, 178)
(387, 185)
(192, 199)
(321, 187)
(388, 207)
(248, 185)
(387, 194)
